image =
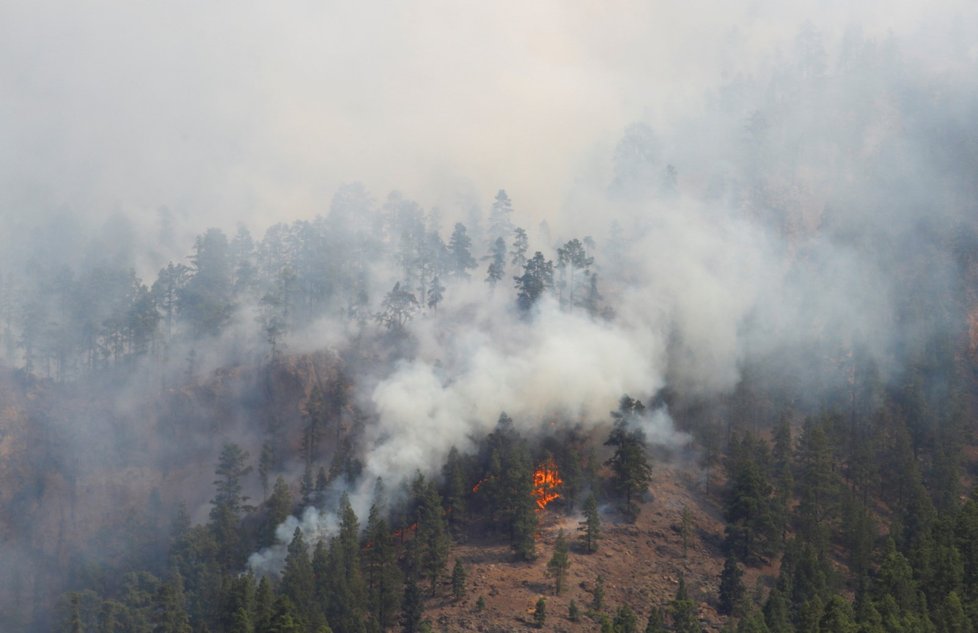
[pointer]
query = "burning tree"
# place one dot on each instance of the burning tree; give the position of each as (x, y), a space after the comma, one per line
(546, 481)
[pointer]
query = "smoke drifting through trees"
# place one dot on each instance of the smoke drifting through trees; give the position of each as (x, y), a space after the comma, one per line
(811, 222)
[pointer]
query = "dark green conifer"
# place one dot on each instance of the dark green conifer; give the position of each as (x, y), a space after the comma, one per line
(590, 527)
(458, 580)
(540, 613)
(558, 563)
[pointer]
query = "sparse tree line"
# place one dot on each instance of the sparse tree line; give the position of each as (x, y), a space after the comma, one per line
(375, 576)
(66, 321)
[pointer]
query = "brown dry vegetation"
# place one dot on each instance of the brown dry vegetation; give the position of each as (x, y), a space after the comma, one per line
(641, 563)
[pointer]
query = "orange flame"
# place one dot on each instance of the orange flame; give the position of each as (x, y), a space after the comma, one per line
(546, 480)
(478, 485)
(408, 531)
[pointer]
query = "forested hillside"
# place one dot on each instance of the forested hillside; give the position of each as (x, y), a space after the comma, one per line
(729, 384)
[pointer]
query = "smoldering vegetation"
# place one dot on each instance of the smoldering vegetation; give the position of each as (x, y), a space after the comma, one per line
(806, 241)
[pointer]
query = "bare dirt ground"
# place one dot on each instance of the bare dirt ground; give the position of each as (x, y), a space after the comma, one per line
(641, 564)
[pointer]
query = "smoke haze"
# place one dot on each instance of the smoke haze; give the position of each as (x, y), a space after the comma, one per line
(785, 193)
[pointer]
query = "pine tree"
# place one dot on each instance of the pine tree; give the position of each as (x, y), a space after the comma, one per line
(75, 622)
(500, 217)
(345, 587)
(460, 255)
(382, 575)
(228, 504)
(573, 613)
(265, 464)
(683, 611)
(321, 577)
(837, 616)
(521, 245)
(171, 607)
(411, 607)
(558, 564)
(537, 278)
(298, 581)
(597, 595)
(686, 529)
(497, 267)
(731, 587)
(458, 580)
(456, 492)
(782, 474)
(109, 617)
(752, 531)
(285, 619)
(240, 605)
(625, 620)
(540, 613)
(590, 527)
(776, 613)
(950, 616)
(753, 622)
(656, 622)
(431, 539)
(809, 615)
(264, 605)
(279, 507)
(629, 464)
(818, 484)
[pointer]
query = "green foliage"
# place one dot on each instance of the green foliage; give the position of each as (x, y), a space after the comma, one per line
(540, 613)
(631, 472)
(264, 605)
(590, 527)
(625, 620)
(171, 607)
(731, 587)
(456, 493)
(837, 616)
(753, 622)
(686, 529)
(285, 619)
(277, 509)
(683, 611)
(298, 582)
(497, 265)
(537, 278)
(412, 607)
(656, 622)
(752, 531)
(777, 613)
(383, 577)
(558, 563)
(460, 252)
(344, 588)
(507, 488)
(597, 594)
(240, 605)
(431, 540)
(573, 613)
(458, 580)
(228, 505)
(818, 483)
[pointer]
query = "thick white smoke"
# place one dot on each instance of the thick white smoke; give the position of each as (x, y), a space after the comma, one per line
(553, 368)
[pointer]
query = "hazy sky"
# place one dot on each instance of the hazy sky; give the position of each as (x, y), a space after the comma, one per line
(257, 111)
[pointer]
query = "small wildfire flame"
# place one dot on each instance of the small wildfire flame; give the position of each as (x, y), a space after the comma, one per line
(478, 485)
(546, 480)
(409, 531)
